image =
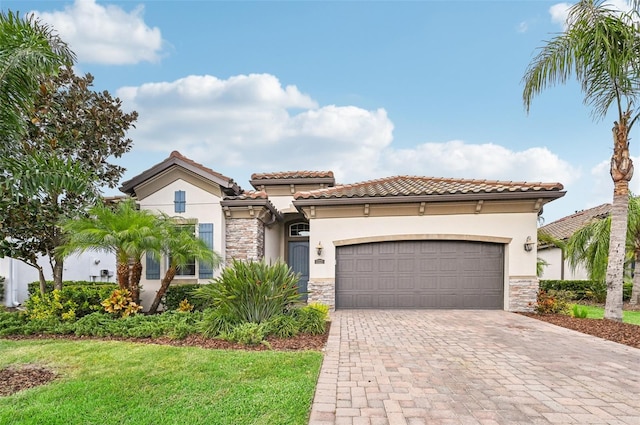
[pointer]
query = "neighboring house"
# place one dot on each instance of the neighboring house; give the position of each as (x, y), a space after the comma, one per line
(398, 242)
(557, 267)
(90, 266)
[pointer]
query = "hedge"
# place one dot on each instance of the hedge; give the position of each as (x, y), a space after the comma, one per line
(176, 293)
(34, 287)
(86, 296)
(583, 289)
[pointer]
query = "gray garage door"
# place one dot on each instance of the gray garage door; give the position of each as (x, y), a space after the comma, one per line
(420, 274)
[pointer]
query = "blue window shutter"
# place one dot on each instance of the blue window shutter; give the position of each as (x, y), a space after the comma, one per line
(205, 232)
(180, 201)
(153, 267)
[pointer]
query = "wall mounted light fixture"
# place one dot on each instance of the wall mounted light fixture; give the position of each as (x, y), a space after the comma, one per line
(528, 244)
(319, 249)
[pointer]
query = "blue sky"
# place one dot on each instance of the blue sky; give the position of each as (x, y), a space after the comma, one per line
(366, 89)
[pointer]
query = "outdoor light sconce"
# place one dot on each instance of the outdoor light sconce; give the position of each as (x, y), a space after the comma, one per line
(528, 244)
(319, 249)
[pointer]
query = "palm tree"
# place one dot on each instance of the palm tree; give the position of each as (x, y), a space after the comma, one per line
(182, 247)
(589, 246)
(600, 48)
(30, 51)
(123, 230)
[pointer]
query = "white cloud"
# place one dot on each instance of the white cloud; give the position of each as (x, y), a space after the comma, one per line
(560, 11)
(105, 34)
(487, 161)
(253, 122)
(523, 27)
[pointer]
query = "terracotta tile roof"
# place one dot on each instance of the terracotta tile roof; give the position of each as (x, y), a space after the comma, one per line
(416, 186)
(292, 175)
(565, 227)
(177, 159)
(252, 194)
(178, 155)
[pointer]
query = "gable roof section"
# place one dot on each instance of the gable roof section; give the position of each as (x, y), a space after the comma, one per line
(292, 177)
(566, 226)
(415, 188)
(176, 159)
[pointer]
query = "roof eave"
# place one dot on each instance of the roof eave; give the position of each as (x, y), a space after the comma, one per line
(257, 202)
(402, 199)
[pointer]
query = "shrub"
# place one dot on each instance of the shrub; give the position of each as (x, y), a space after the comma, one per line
(579, 312)
(310, 320)
(584, 289)
(185, 306)
(215, 322)
(51, 305)
(252, 291)
(282, 326)
(94, 324)
(121, 303)
(246, 333)
(178, 293)
(550, 302)
(11, 323)
(323, 308)
(77, 299)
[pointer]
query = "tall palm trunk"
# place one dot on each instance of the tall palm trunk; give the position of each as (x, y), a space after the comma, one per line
(166, 281)
(134, 280)
(122, 272)
(621, 173)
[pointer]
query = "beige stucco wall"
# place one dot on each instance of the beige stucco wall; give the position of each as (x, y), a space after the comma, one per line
(200, 205)
(273, 242)
(510, 229)
(554, 269)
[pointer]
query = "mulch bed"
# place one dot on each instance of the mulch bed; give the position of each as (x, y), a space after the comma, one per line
(623, 333)
(14, 379)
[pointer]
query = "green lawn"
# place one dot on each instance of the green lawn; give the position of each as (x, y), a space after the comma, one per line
(109, 382)
(598, 313)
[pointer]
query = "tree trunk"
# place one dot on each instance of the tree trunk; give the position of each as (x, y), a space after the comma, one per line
(122, 271)
(134, 280)
(43, 282)
(166, 281)
(635, 290)
(57, 274)
(621, 173)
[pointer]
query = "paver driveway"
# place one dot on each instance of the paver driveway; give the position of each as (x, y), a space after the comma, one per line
(471, 367)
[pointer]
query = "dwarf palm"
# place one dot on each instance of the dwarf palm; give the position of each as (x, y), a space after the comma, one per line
(123, 230)
(181, 247)
(600, 48)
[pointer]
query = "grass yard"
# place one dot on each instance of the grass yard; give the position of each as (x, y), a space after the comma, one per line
(628, 316)
(109, 382)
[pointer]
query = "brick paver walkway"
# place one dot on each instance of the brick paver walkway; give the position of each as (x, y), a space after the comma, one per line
(471, 367)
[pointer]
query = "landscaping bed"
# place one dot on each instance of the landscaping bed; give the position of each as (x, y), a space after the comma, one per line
(622, 333)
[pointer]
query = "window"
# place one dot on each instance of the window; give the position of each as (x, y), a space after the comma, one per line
(299, 230)
(189, 266)
(179, 201)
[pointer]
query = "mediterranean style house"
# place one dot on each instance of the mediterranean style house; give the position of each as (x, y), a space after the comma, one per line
(557, 266)
(396, 242)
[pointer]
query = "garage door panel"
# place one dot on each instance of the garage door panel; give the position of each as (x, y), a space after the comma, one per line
(420, 274)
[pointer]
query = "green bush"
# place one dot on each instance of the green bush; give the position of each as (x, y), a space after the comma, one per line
(75, 300)
(246, 333)
(250, 291)
(553, 302)
(310, 320)
(176, 294)
(94, 324)
(579, 312)
(282, 326)
(584, 289)
(215, 322)
(11, 323)
(172, 325)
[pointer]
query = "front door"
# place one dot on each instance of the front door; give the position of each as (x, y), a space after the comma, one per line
(299, 263)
